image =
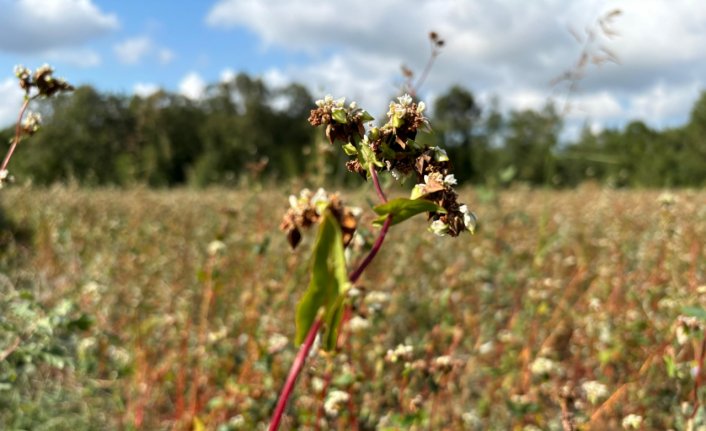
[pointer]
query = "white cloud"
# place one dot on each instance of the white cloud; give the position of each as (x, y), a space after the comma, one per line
(39, 25)
(144, 89)
(192, 86)
(131, 51)
(74, 57)
(10, 101)
(664, 105)
(506, 48)
(165, 55)
(599, 105)
(227, 75)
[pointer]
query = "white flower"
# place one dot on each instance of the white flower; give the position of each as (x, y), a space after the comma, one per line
(405, 100)
(358, 324)
(401, 351)
(332, 405)
(320, 200)
(542, 366)
(595, 391)
(4, 174)
(439, 228)
(276, 343)
(421, 107)
(632, 421)
(32, 121)
(440, 154)
(469, 218)
(328, 101)
(236, 421)
(376, 299)
(443, 361)
(216, 247)
(450, 180)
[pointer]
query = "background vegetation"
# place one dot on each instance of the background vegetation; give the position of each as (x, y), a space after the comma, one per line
(142, 321)
(242, 130)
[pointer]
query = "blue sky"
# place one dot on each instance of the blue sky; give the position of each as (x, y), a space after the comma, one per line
(509, 49)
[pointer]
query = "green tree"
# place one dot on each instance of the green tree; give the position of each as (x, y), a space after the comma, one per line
(530, 140)
(456, 116)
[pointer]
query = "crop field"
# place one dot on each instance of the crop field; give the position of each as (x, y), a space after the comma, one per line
(155, 310)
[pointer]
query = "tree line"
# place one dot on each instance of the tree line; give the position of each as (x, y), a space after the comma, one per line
(243, 130)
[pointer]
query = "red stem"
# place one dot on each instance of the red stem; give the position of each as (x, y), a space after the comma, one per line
(17, 135)
(314, 330)
(294, 373)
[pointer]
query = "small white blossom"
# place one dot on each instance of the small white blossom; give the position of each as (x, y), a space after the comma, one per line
(358, 324)
(469, 218)
(595, 391)
(32, 122)
(405, 100)
(450, 180)
(4, 177)
(486, 347)
(216, 247)
(332, 405)
(320, 200)
(401, 351)
(377, 299)
(421, 107)
(682, 335)
(440, 154)
(439, 228)
(276, 343)
(542, 366)
(236, 421)
(632, 421)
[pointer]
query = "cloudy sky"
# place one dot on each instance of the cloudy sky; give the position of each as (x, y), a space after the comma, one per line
(511, 49)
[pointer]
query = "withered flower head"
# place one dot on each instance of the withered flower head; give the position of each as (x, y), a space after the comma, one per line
(42, 79)
(307, 210)
(393, 147)
(342, 122)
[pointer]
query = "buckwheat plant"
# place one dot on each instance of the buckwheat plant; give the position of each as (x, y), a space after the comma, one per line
(390, 149)
(38, 84)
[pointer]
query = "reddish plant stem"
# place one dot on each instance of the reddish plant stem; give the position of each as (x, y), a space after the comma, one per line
(17, 134)
(303, 353)
(294, 373)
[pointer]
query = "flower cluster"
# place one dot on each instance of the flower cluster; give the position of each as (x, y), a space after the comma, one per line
(42, 79)
(307, 209)
(392, 147)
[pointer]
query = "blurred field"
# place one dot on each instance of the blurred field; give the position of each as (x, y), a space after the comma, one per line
(148, 330)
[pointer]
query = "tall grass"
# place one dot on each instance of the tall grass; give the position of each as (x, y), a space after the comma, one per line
(557, 289)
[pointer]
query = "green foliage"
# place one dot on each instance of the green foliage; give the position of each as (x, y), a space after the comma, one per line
(328, 285)
(594, 280)
(402, 209)
(242, 129)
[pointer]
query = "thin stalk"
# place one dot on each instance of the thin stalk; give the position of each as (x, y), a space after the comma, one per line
(305, 348)
(293, 374)
(16, 141)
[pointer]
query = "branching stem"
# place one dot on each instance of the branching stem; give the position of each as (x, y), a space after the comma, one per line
(305, 348)
(18, 133)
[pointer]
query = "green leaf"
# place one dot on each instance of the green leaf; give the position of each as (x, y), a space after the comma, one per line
(339, 115)
(365, 117)
(402, 209)
(366, 156)
(328, 284)
(697, 312)
(350, 149)
(397, 122)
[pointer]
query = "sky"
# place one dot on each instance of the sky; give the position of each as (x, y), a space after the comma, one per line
(505, 50)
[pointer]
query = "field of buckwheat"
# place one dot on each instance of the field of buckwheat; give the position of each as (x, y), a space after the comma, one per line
(153, 310)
